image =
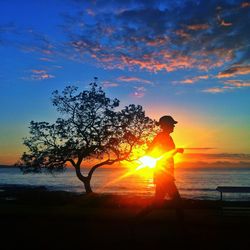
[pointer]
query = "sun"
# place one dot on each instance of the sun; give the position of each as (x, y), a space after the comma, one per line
(146, 165)
(147, 161)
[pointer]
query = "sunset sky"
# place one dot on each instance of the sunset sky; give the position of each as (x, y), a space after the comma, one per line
(189, 59)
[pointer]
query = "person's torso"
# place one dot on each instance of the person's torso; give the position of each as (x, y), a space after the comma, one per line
(163, 143)
(164, 149)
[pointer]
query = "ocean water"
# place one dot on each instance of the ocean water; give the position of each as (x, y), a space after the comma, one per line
(192, 183)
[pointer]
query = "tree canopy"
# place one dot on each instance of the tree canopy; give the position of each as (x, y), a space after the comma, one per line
(89, 125)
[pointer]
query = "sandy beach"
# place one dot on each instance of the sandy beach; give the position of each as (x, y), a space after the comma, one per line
(33, 217)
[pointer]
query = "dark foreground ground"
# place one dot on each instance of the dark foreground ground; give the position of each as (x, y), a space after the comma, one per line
(35, 218)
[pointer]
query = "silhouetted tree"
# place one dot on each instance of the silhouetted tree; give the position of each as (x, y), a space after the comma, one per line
(89, 127)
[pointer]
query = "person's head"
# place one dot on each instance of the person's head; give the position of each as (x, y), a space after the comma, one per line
(167, 123)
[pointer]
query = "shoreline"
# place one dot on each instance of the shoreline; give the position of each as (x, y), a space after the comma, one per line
(22, 193)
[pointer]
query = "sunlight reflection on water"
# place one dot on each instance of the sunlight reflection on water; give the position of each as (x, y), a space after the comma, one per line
(192, 183)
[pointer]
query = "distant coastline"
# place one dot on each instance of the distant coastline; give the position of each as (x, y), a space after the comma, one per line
(8, 166)
(185, 164)
(188, 160)
(216, 164)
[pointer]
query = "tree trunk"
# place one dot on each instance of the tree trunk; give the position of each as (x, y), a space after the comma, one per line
(87, 186)
(84, 180)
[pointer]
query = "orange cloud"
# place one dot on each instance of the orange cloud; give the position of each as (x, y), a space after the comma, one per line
(245, 4)
(238, 83)
(158, 41)
(182, 33)
(222, 55)
(194, 79)
(228, 85)
(38, 71)
(129, 39)
(214, 90)
(44, 77)
(198, 27)
(187, 81)
(223, 23)
(39, 74)
(235, 70)
(153, 61)
(203, 77)
(132, 79)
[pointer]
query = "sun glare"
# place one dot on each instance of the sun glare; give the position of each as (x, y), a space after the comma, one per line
(147, 161)
(145, 166)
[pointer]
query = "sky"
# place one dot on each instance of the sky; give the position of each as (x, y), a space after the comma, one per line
(188, 59)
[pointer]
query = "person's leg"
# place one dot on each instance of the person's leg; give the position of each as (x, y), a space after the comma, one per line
(160, 193)
(174, 194)
(158, 201)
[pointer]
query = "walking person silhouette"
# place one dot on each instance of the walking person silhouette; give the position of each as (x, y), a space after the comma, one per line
(163, 145)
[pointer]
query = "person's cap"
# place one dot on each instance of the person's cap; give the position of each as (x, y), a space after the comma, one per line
(167, 119)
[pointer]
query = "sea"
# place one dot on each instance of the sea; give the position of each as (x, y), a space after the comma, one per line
(198, 183)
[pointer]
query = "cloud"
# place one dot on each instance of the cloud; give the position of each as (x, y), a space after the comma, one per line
(148, 35)
(223, 23)
(237, 83)
(193, 79)
(228, 85)
(46, 59)
(203, 77)
(198, 26)
(139, 92)
(245, 4)
(160, 36)
(159, 41)
(214, 90)
(235, 70)
(29, 40)
(187, 81)
(133, 79)
(220, 19)
(183, 34)
(108, 84)
(39, 74)
(160, 60)
(38, 71)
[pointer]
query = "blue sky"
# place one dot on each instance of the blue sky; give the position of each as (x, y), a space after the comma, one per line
(189, 59)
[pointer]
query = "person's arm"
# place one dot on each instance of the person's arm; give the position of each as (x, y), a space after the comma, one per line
(177, 150)
(180, 150)
(173, 152)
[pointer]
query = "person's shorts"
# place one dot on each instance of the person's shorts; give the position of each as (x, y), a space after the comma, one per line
(163, 178)
(166, 185)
